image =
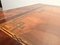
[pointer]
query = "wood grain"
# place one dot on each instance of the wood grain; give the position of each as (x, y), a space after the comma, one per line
(39, 25)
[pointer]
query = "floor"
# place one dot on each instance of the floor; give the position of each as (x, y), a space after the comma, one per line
(36, 24)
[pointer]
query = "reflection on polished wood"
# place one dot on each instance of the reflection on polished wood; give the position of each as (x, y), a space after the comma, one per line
(6, 40)
(36, 25)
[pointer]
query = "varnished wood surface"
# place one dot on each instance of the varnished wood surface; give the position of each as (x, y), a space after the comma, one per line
(37, 24)
(6, 40)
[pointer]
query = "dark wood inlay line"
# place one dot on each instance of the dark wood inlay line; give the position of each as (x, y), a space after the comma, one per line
(9, 18)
